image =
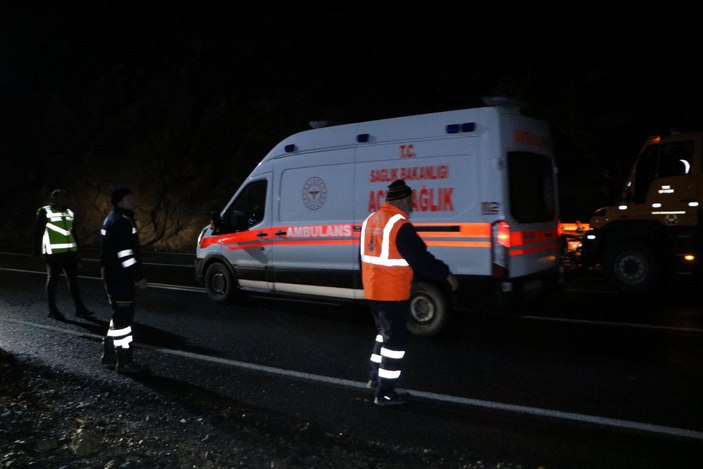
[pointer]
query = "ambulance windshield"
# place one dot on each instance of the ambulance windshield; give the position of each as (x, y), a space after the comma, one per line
(531, 186)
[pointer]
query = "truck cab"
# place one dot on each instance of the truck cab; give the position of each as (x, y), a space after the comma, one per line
(654, 230)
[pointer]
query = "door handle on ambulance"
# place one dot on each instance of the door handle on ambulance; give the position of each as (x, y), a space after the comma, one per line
(357, 228)
(262, 234)
(280, 233)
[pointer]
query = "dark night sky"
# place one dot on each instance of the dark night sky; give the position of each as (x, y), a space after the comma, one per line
(379, 61)
(102, 79)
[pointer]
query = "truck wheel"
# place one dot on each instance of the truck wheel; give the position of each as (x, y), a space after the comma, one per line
(219, 283)
(633, 268)
(429, 310)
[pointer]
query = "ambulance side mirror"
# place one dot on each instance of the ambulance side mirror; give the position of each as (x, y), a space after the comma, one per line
(215, 222)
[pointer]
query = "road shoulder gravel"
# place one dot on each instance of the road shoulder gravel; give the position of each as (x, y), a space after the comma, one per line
(54, 418)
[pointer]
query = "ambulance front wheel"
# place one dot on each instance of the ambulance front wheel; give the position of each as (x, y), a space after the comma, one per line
(219, 283)
(429, 309)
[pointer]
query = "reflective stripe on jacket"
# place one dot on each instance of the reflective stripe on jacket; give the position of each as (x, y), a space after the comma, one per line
(385, 274)
(121, 253)
(58, 232)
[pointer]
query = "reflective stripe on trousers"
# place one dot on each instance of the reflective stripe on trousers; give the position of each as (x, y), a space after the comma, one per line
(120, 337)
(389, 345)
(386, 360)
(120, 293)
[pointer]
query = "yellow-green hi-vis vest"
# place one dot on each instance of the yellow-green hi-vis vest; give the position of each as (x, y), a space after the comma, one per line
(58, 234)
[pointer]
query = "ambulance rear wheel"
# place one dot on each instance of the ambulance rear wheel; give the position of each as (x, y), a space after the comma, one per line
(219, 283)
(429, 310)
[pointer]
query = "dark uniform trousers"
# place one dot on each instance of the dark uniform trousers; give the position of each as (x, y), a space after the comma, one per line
(55, 264)
(121, 292)
(389, 348)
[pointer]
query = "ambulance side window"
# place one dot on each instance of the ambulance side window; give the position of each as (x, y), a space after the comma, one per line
(248, 208)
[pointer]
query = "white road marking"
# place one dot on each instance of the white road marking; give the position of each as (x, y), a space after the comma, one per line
(458, 400)
(614, 324)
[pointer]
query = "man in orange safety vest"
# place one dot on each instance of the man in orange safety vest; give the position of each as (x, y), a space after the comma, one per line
(392, 253)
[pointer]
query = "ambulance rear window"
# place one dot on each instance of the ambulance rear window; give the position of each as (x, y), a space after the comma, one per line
(531, 186)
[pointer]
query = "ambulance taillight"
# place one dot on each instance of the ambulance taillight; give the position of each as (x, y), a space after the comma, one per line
(501, 249)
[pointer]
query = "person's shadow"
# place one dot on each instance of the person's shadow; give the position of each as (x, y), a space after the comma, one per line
(146, 335)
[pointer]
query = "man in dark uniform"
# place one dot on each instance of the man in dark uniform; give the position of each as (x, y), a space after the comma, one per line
(55, 238)
(122, 273)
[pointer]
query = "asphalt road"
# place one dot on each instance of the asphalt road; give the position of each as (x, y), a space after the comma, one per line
(592, 379)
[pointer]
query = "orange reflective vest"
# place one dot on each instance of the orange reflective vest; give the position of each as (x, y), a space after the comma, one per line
(385, 274)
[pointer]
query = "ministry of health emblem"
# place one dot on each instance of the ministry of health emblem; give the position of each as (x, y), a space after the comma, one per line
(314, 193)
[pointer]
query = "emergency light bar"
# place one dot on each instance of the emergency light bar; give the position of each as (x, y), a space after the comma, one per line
(465, 127)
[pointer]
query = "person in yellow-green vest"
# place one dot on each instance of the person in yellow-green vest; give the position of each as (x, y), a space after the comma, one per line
(55, 239)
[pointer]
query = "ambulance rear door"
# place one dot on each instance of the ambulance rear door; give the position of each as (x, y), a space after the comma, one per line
(531, 198)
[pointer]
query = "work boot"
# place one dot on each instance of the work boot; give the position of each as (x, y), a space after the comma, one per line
(83, 312)
(56, 314)
(391, 398)
(126, 365)
(108, 357)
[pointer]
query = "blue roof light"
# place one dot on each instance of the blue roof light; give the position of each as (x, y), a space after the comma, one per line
(465, 127)
(290, 148)
(362, 138)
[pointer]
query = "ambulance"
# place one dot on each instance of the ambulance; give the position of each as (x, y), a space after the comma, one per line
(484, 201)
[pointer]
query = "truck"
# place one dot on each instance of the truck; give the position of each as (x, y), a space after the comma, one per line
(485, 202)
(654, 232)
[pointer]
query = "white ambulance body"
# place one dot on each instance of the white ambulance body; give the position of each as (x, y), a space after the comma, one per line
(484, 196)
